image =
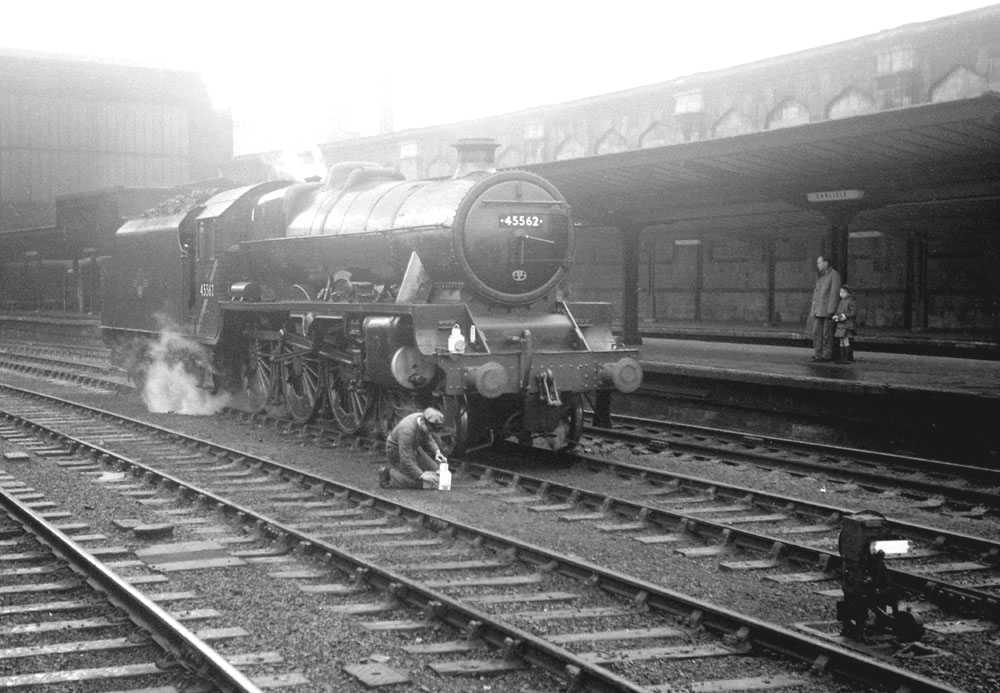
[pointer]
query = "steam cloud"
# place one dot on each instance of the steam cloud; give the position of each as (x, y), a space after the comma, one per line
(172, 377)
(300, 164)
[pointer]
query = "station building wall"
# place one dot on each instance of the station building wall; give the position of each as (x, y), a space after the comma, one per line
(68, 126)
(959, 291)
(963, 288)
(945, 59)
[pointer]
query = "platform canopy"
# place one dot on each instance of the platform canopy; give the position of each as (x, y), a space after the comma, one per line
(898, 157)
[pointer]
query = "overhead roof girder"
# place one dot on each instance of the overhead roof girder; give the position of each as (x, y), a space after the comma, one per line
(887, 152)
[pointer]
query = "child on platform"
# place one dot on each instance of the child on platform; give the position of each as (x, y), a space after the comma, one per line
(847, 309)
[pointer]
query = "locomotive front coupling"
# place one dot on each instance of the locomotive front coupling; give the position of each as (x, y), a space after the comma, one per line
(871, 600)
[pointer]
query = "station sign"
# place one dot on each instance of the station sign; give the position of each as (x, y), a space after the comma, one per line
(835, 195)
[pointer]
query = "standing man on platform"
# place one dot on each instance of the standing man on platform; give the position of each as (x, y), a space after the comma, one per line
(826, 295)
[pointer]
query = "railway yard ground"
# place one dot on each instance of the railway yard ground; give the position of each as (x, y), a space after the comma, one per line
(655, 558)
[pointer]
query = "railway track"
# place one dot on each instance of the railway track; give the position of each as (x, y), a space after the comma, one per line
(935, 484)
(704, 518)
(526, 619)
(734, 448)
(48, 578)
(77, 352)
(92, 374)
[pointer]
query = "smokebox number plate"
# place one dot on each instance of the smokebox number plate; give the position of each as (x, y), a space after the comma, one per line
(516, 221)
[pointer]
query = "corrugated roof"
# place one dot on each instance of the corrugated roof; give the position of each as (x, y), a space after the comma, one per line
(884, 153)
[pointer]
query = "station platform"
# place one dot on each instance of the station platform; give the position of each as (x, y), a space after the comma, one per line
(56, 326)
(871, 372)
(928, 405)
(960, 344)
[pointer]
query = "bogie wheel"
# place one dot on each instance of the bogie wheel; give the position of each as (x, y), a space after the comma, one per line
(570, 428)
(258, 374)
(350, 398)
(208, 379)
(391, 405)
(455, 436)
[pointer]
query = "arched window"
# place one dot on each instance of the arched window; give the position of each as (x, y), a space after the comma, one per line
(612, 141)
(656, 135)
(960, 83)
(731, 124)
(569, 149)
(786, 114)
(851, 102)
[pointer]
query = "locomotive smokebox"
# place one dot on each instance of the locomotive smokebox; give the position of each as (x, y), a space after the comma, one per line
(475, 154)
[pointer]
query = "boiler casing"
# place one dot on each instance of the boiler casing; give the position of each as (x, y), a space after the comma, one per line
(506, 237)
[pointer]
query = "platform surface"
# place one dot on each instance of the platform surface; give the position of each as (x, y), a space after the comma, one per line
(792, 367)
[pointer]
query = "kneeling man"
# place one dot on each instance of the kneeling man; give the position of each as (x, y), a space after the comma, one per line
(413, 451)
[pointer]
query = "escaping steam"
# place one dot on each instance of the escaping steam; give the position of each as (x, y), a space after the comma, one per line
(302, 164)
(177, 375)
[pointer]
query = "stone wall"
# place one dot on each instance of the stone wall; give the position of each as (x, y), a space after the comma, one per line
(951, 58)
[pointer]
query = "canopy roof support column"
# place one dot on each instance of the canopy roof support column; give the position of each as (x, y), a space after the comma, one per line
(915, 301)
(770, 260)
(840, 215)
(630, 286)
(837, 242)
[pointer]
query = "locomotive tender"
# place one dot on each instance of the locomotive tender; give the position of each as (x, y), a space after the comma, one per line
(368, 295)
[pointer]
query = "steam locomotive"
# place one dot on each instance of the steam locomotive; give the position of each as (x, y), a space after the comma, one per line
(365, 296)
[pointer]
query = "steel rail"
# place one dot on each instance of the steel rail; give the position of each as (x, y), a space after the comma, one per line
(54, 372)
(968, 600)
(51, 363)
(971, 495)
(974, 495)
(937, 590)
(984, 475)
(988, 549)
(56, 347)
(510, 639)
(737, 630)
(190, 651)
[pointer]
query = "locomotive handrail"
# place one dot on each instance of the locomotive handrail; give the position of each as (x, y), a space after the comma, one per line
(524, 203)
(302, 238)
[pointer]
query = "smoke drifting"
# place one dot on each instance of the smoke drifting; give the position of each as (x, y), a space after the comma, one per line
(304, 164)
(175, 367)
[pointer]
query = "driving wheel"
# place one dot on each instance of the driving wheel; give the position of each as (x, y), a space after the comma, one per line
(350, 398)
(258, 374)
(301, 384)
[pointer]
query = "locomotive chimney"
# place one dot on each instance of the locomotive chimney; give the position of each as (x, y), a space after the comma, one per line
(475, 154)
